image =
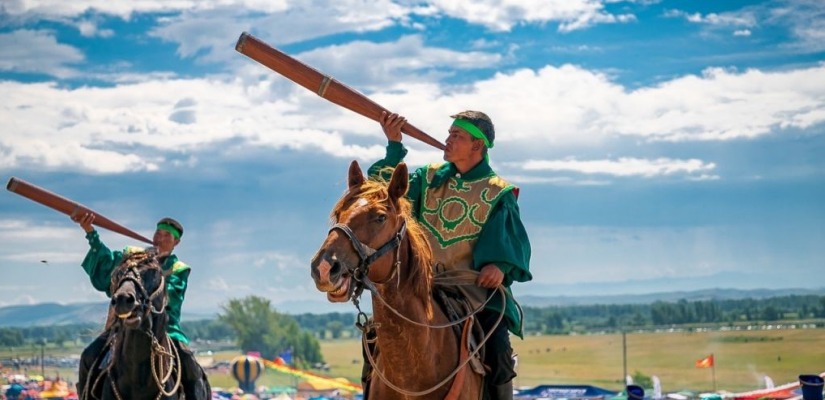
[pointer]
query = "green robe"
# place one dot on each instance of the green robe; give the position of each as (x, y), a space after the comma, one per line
(503, 240)
(100, 262)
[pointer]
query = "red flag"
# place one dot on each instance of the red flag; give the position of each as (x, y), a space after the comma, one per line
(706, 362)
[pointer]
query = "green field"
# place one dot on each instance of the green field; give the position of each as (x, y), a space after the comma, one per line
(742, 359)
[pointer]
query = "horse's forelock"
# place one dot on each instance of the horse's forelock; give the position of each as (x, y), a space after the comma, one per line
(374, 193)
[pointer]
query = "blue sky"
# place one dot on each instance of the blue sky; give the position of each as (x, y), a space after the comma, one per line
(659, 145)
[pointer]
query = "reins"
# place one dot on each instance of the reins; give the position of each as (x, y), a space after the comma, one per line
(360, 274)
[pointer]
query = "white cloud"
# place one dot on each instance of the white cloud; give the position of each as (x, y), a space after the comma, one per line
(214, 32)
(37, 51)
(725, 19)
(806, 21)
(288, 17)
(147, 120)
(373, 66)
(125, 9)
(724, 105)
(90, 28)
(561, 106)
(623, 167)
(138, 126)
(502, 15)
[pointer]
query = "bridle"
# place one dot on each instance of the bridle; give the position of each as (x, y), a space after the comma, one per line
(367, 256)
(131, 273)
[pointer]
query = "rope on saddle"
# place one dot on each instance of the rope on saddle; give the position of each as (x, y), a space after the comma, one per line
(445, 278)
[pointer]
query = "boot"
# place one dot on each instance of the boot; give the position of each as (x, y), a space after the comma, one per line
(501, 392)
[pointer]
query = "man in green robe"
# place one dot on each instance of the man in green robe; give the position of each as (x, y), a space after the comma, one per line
(472, 220)
(100, 263)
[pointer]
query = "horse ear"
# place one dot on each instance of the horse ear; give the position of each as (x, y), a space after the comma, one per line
(399, 183)
(356, 177)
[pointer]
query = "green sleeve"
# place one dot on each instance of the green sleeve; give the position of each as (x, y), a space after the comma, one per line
(503, 241)
(100, 262)
(382, 170)
(176, 291)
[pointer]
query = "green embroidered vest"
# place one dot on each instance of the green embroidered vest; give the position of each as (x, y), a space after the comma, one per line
(453, 216)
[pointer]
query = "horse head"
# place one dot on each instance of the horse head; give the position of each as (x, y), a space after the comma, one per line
(138, 292)
(369, 224)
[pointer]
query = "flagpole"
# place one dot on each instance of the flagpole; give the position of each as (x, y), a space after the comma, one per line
(713, 370)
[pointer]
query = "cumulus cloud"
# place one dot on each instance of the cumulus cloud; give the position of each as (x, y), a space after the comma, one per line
(737, 19)
(503, 15)
(126, 9)
(90, 28)
(37, 51)
(803, 20)
(406, 60)
(137, 126)
(209, 33)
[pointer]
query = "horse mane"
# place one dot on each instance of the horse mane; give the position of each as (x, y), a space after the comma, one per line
(375, 191)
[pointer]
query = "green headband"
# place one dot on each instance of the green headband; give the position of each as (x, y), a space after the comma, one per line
(473, 131)
(171, 229)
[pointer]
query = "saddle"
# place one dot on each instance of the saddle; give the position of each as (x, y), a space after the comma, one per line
(456, 307)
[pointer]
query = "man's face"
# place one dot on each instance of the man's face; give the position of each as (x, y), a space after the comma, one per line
(164, 241)
(461, 146)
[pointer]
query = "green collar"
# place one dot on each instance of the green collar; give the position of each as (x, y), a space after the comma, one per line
(447, 170)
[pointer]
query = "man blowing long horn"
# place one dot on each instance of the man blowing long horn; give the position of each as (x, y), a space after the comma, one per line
(99, 264)
(472, 221)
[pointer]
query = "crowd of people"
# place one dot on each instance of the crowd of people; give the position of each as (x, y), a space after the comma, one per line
(23, 387)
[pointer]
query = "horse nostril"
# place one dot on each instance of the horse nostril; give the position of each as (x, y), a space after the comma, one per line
(126, 300)
(336, 268)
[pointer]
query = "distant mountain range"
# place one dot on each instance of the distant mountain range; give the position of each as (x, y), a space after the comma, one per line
(46, 314)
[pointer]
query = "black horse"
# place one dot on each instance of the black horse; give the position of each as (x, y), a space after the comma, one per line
(140, 360)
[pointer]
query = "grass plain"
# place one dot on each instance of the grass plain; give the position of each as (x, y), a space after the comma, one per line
(742, 359)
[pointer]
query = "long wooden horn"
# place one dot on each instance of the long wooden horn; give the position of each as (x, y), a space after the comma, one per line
(323, 85)
(66, 206)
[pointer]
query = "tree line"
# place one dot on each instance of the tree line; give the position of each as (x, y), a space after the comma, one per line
(584, 318)
(253, 324)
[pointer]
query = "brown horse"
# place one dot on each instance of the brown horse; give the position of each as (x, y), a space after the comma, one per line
(143, 363)
(413, 358)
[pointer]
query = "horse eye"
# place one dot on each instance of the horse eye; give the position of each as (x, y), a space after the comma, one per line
(380, 218)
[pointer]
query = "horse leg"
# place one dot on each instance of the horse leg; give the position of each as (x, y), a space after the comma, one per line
(193, 378)
(92, 356)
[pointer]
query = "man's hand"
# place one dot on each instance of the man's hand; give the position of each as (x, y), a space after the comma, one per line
(490, 277)
(85, 219)
(391, 124)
